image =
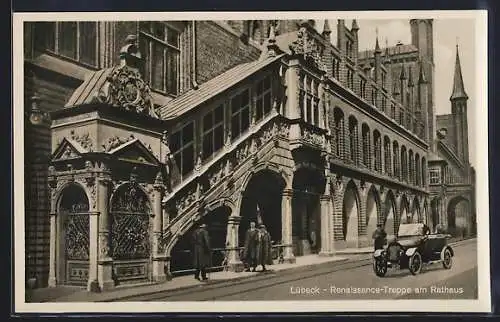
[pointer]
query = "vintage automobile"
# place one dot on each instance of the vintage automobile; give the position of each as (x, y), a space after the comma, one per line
(413, 247)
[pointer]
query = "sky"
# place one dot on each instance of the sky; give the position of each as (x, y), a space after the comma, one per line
(447, 34)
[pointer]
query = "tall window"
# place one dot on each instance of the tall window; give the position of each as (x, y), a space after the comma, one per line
(401, 116)
(338, 116)
(362, 88)
(435, 176)
(384, 103)
(309, 99)
(366, 144)
(404, 164)
(74, 40)
(182, 147)
(374, 96)
(263, 100)
(335, 68)
(383, 79)
(160, 45)
(240, 114)
(395, 160)
(350, 78)
(353, 139)
(387, 155)
(411, 170)
(213, 131)
(393, 111)
(377, 142)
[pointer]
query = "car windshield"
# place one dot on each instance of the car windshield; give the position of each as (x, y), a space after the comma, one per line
(410, 230)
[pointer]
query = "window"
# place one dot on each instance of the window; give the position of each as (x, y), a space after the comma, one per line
(309, 100)
(182, 147)
(366, 145)
(435, 176)
(401, 117)
(213, 131)
(395, 160)
(350, 78)
(338, 116)
(374, 96)
(240, 114)
(353, 139)
(378, 150)
(362, 88)
(384, 103)
(74, 40)
(263, 100)
(387, 155)
(383, 79)
(393, 111)
(160, 45)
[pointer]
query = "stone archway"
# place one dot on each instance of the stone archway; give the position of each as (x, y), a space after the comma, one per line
(73, 236)
(261, 203)
(404, 211)
(372, 210)
(350, 215)
(415, 211)
(216, 219)
(459, 216)
(389, 215)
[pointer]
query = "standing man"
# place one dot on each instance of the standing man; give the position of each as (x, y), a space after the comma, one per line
(250, 251)
(264, 248)
(201, 252)
(379, 236)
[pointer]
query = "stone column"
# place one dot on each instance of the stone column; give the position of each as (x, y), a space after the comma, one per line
(105, 262)
(53, 256)
(286, 226)
(93, 284)
(293, 97)
(327, 247)
(158, 250)
(233, 257)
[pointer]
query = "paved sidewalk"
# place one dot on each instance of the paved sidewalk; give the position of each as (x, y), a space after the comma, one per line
(77, 294)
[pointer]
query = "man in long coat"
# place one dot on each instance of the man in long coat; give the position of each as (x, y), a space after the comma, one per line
(264, 248)
(201, 252)
(250, 251)
(379, 236)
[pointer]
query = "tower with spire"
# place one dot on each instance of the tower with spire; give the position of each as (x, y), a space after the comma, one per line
(458, 100)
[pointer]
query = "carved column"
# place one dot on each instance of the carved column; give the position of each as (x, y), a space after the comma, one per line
(159, 257)
(52, 282)
(286, 226)
(233, 257)
(293, 97)
(327, 247)
(93, 284)
(105, 262)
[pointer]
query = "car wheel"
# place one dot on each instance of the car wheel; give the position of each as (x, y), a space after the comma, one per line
(380, 267)
(415, 263)
(447, 259)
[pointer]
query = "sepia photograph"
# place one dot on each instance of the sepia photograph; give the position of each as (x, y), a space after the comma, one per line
(307, 161)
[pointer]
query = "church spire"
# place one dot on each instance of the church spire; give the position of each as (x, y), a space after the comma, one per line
(458, 82)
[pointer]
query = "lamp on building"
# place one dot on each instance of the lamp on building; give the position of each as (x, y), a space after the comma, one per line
(36, 115)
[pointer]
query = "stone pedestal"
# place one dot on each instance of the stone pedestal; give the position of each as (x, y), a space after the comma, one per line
(93, 281)
(327, 238)
(105, 273)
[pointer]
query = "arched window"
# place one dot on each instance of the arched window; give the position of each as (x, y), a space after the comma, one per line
(417, 170)
(387, 155)
(353, 139)
(338, 117)
(423, 171)
(395, 160)
(377, 143)
(366, 144)
(404, 164)
(411, 165)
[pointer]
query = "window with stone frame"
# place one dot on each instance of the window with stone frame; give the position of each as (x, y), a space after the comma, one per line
(335, 68)
(383, 79)
(309, 99)
(263, 99)
(362, 88)
(435, 175)
(387, 156)
(338, 130)
(404, 164)
(377, 143)
(393, 111)
(213, 132)
(401, 116)
(75, 40)
(240, 114)
(374, 96)
(384, 103)
(411, 169)
(182, 144)
(160, 46)
(395, 160)
(365, 132)
(353, 139)
(350, 78)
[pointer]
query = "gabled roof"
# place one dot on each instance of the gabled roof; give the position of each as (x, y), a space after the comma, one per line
(194, 97)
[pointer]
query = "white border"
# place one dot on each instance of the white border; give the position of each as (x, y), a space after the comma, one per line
(481, 146)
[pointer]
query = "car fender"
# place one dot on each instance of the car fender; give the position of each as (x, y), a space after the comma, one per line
(445, 248)
(378, 253)
(410, 251)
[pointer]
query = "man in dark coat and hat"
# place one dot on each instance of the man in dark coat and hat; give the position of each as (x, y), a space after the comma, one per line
(201, 252)
(379, 236)
(264, 248)
(250, 251)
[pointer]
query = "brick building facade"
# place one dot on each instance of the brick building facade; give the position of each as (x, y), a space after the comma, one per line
(156, 126)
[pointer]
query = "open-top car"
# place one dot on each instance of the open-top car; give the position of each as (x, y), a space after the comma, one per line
(413, 247)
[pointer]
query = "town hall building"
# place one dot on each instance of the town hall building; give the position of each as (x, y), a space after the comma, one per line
(137, 132)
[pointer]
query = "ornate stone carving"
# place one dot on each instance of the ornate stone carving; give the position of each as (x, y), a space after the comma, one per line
(91, 184)
(306, 46)
(104, 249)
(84, 140)
(116, 141)
(69, 153)
(312, 138)
(126, 89)
(186, 200)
